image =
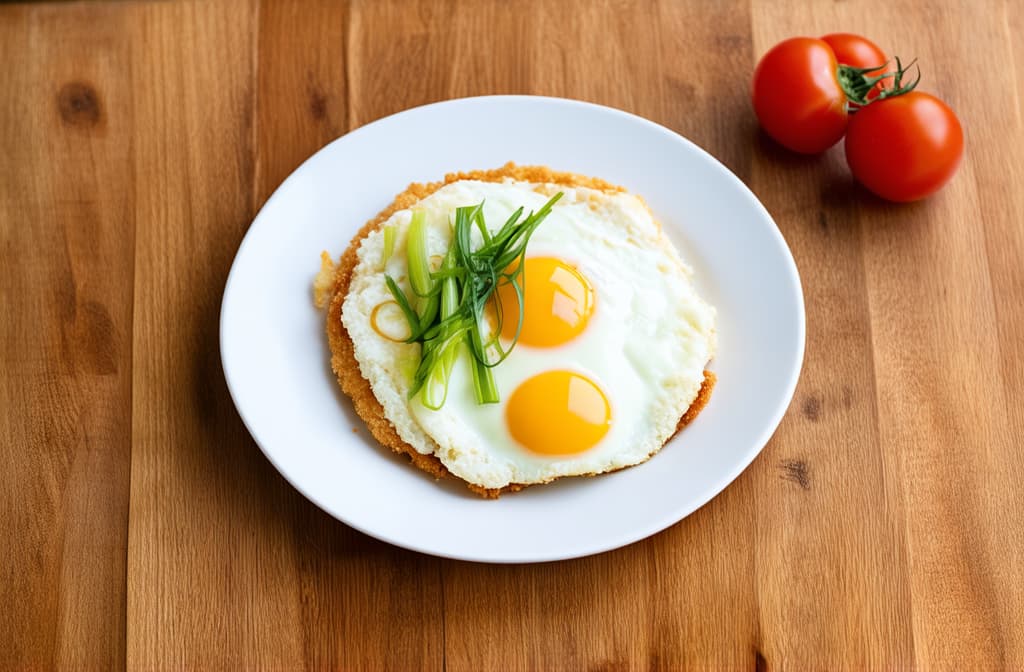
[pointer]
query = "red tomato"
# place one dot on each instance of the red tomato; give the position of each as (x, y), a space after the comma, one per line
(905, 147)
(858, 52)
(797, 96)
(855, 50)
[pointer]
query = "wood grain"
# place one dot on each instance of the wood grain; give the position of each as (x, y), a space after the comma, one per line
(830, 454)
(881, 528)
(67, 260)
(364, 604)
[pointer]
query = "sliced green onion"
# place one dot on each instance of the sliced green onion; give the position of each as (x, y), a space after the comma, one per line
(427, 309)
(416, 249)
(403, 304)
(481, 224)
(449, 286)
(450, 303)
(389, 242)
(433, 382)
(484, 387)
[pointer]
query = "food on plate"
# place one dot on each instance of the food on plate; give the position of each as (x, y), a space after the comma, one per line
(906, 147)
(514, 326)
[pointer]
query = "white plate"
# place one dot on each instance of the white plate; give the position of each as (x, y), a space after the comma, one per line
(275, 354)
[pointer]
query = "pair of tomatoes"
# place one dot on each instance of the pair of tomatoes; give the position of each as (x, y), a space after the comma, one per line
(902, 144)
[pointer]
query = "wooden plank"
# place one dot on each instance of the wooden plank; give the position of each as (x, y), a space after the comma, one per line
(66, 258)
(833, 575)
(699, 578)
(399, 56)
(945, 284)
(363, 604)
(995, 139)
(912, 260)
(302, 103)
(212, 581)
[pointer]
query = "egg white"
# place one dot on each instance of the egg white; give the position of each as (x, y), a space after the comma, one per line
(646, 345)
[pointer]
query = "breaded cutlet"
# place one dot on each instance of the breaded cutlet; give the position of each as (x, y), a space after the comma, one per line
(332, 285)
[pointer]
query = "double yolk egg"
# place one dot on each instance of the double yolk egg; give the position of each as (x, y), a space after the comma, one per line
(611, 350)
(557, 304)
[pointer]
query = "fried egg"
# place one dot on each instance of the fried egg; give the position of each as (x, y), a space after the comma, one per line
(612, 349)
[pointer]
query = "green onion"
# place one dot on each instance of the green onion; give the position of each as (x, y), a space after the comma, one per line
(450, 303)
(479, 219)
(449, 286)
(403, 304)
(435, 391)
(483, 380)
(423, 285)
(416, 249)
(389, 242)
(438, 358)
(428, 308)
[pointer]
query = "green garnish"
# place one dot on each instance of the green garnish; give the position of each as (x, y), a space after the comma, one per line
(422, 281)
(416, 248)
(389, 242)
(446, 311)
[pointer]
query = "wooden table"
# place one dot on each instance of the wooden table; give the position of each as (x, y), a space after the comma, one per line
(881, 528)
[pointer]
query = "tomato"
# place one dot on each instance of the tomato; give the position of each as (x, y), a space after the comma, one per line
(858, 52)
(797, 96)
(855, 50)
(905, 147)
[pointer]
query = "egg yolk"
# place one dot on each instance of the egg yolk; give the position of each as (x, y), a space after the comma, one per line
(558, 413)
(557, 303)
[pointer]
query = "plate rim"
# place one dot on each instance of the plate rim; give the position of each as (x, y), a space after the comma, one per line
(660, 523)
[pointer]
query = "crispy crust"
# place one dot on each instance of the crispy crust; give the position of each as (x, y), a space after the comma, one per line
(343, 360)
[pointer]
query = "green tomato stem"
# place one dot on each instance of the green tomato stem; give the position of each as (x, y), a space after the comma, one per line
(857, 84)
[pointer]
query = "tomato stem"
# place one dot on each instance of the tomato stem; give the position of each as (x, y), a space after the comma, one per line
(857, 84)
